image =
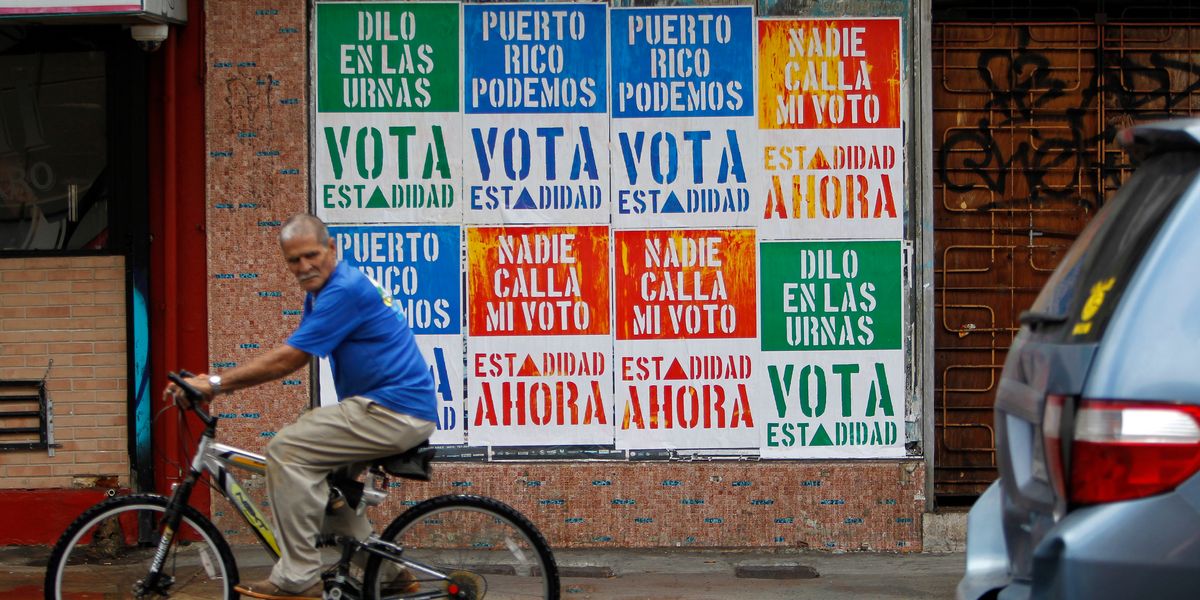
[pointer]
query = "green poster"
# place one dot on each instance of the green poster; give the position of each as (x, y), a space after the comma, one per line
(387, 57)
(830, 296)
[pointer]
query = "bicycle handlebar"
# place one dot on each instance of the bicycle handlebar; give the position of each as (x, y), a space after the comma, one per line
(193, 396)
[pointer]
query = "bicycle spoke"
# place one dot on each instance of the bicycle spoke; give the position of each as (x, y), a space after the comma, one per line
(484, 548)
(107, 553)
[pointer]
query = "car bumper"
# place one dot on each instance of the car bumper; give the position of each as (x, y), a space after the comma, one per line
(987, 554)
(1147, 548)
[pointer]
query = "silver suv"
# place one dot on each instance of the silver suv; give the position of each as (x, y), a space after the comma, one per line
(1098, 409)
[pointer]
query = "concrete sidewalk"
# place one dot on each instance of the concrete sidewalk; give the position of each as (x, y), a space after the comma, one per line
(664, 574)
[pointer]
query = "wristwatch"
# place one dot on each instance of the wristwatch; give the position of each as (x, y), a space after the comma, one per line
(215, 382)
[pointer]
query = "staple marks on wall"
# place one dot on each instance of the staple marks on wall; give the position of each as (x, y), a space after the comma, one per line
(256, 128)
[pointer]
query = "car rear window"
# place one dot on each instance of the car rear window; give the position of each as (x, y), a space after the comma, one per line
(1080, 297)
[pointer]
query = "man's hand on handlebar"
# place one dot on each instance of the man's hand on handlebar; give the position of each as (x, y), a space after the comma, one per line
(199, 383)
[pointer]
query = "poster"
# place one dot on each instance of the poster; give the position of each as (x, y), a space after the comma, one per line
(831, 153)
(682, 224)
(418, 267)
(686, 338)
(683, 129)
(387, 138)
(832, 347)
(535, 117)
(539, 348)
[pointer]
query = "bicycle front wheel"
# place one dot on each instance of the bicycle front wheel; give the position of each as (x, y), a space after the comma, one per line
(482, 547)
(107, 551)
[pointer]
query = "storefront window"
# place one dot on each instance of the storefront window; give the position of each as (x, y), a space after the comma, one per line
(54, 192)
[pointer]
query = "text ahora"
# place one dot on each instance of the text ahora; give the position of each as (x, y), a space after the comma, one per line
(539, 403)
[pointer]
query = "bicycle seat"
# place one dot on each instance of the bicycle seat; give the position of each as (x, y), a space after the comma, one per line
(413, 463)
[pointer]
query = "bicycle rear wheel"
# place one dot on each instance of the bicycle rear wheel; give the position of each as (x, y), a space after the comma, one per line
(107, 551)
(484, 547)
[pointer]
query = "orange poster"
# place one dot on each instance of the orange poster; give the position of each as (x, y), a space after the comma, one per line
(829, 73)
(535, 281)
(685, 283)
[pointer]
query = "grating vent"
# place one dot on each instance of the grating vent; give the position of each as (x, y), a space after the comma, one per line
(1040, 11)
(1025, 117)
(24, 416)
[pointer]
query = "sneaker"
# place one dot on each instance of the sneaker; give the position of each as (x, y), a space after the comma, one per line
(269, 591)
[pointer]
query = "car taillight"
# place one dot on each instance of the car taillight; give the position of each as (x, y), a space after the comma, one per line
(1052, 442)
(1126, 450)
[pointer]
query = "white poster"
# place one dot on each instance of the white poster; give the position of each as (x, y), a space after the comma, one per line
(539, 346)
(686, 343)
(833, 405)
(830, 111)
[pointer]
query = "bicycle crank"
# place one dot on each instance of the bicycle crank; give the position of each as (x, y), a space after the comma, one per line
(140, 590)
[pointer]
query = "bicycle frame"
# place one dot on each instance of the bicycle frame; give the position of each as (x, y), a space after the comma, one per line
(214, 458)
(217, 460)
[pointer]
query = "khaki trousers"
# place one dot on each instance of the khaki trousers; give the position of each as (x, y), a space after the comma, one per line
(300, 457)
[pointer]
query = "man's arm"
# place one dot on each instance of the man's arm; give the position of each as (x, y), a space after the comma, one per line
(274, 364)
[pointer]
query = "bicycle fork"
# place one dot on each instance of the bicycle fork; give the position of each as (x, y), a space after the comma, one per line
(155, 580)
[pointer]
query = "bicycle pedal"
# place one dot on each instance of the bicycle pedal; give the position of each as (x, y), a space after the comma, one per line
(339, 585)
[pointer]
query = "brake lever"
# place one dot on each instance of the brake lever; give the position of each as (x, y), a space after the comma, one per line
(192, 396)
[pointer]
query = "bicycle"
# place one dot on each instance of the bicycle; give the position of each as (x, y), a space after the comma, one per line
(459, 547)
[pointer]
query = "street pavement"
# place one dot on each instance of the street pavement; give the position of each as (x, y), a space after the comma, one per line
(663, 574)
(763, 575)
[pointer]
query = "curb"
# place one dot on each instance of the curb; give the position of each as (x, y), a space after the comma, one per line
(782, 571)
(586, 571)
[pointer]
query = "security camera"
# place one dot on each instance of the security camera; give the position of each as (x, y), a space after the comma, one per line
(149, 37)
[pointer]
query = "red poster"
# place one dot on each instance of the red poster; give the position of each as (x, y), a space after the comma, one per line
(538, 281)
(829, 73)
(677, 284)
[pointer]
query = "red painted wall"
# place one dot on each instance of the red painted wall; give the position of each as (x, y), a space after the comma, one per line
(56, 508)
(178, 291)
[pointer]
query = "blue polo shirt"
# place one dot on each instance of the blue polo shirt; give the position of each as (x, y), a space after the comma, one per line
(370, 346)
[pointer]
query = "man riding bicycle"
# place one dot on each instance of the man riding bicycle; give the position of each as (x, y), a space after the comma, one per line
(386, 402)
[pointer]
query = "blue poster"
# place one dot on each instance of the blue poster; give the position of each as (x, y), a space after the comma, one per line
(683, 116)
(682, 62)
(535, 122)
(534, 58)
(419, 265)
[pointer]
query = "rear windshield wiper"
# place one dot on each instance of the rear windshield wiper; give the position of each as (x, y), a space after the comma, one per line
(1035, 319)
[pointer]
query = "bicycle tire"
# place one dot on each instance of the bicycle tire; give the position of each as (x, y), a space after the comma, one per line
(102, 552)
(458, 544)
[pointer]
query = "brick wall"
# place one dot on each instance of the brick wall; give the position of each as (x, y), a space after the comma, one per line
(69, 310)
(256, 133)
(819, 505)
(257, 171)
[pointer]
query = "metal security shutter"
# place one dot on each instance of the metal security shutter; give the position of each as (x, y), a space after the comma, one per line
(1025, 115)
